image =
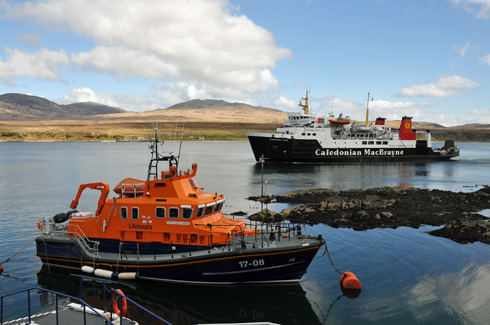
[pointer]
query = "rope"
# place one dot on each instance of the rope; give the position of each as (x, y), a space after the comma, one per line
(11, 257)
(331, 262)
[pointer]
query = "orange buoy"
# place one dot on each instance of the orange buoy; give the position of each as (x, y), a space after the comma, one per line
(1, 268)
(124, 308)
(348, 280)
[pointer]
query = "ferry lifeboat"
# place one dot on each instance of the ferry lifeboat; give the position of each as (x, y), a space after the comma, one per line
(167, 228)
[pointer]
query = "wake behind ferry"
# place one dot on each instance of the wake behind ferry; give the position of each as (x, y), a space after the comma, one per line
(308, 138)
(167, 228)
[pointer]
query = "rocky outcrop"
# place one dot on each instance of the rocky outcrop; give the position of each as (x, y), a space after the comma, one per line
(465, 231)
(387, 208)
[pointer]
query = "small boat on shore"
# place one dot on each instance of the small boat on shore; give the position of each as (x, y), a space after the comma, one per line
(308, 138)
(167, 228)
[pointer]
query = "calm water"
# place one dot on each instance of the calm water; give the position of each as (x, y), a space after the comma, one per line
(407, 275)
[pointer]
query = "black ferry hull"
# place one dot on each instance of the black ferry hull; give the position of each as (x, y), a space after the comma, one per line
(290, 150)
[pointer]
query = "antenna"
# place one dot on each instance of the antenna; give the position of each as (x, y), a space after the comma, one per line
(367, 110)
(181, 139)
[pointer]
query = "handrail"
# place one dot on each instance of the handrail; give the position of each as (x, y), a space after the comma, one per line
(83, 239)
(55, 293)
(82, 302)
(139, 306)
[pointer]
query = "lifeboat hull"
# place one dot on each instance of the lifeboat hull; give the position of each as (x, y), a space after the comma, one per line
(282, 263)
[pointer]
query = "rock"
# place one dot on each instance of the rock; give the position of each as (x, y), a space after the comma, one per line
(366, 209)
(267, 216)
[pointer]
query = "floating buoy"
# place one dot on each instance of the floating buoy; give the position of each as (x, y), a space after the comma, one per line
(1, 268)
(349, 281)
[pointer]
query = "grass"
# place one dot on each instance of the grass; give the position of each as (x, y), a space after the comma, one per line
(125, 131)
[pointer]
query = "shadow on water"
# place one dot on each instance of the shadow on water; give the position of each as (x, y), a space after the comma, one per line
(190, 304)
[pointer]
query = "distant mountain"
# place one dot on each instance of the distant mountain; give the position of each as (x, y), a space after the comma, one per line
(20, 107)
(215, 104)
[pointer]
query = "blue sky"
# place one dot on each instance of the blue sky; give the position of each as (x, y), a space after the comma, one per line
(429, 59)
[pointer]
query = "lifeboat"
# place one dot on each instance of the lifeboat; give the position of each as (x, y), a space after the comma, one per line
(167, 228)
(342, 121)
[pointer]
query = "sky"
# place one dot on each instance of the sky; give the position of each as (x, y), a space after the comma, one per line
(429, 59)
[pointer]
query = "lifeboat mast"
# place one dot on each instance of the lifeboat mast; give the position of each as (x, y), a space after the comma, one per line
(157, 157)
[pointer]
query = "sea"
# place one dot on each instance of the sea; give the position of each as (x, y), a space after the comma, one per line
(407, 275)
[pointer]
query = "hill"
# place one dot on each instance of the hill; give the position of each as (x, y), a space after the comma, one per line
(20, 107)
(31, 118)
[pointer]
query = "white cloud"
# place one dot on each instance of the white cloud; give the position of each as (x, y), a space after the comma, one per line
(486, 59)
(198, 42)
(462, 51)
(444, 87)
(282, 102)
(83, 95)
(481, 111)
(42, 64)
(377, 108)
(480, 8)
(32, 39)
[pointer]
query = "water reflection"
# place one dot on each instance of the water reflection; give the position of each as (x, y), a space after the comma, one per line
(463, 294)
(191, 304)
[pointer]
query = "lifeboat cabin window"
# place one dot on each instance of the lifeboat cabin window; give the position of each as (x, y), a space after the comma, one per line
(186, 212)
(124, 213)
(134, 213)
(217, 207)
(209, 209)
(160, 212)
(173, 213)
(200, 210)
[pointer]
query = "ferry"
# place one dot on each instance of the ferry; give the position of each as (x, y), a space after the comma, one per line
(307, 138)
(166, 228)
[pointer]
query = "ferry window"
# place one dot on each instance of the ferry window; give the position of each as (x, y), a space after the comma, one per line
(209, 209)
(166, 236)
(199, 212)
(134, 213)
(378, 142)
(124, 213)
(186, 213)
(303, 133)
(385, 142)
(314, 133)
(193, 238)
(364, 142)
(192, 182)
(160, 212)
(308, 134)
(371, 142)
(173, 213)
